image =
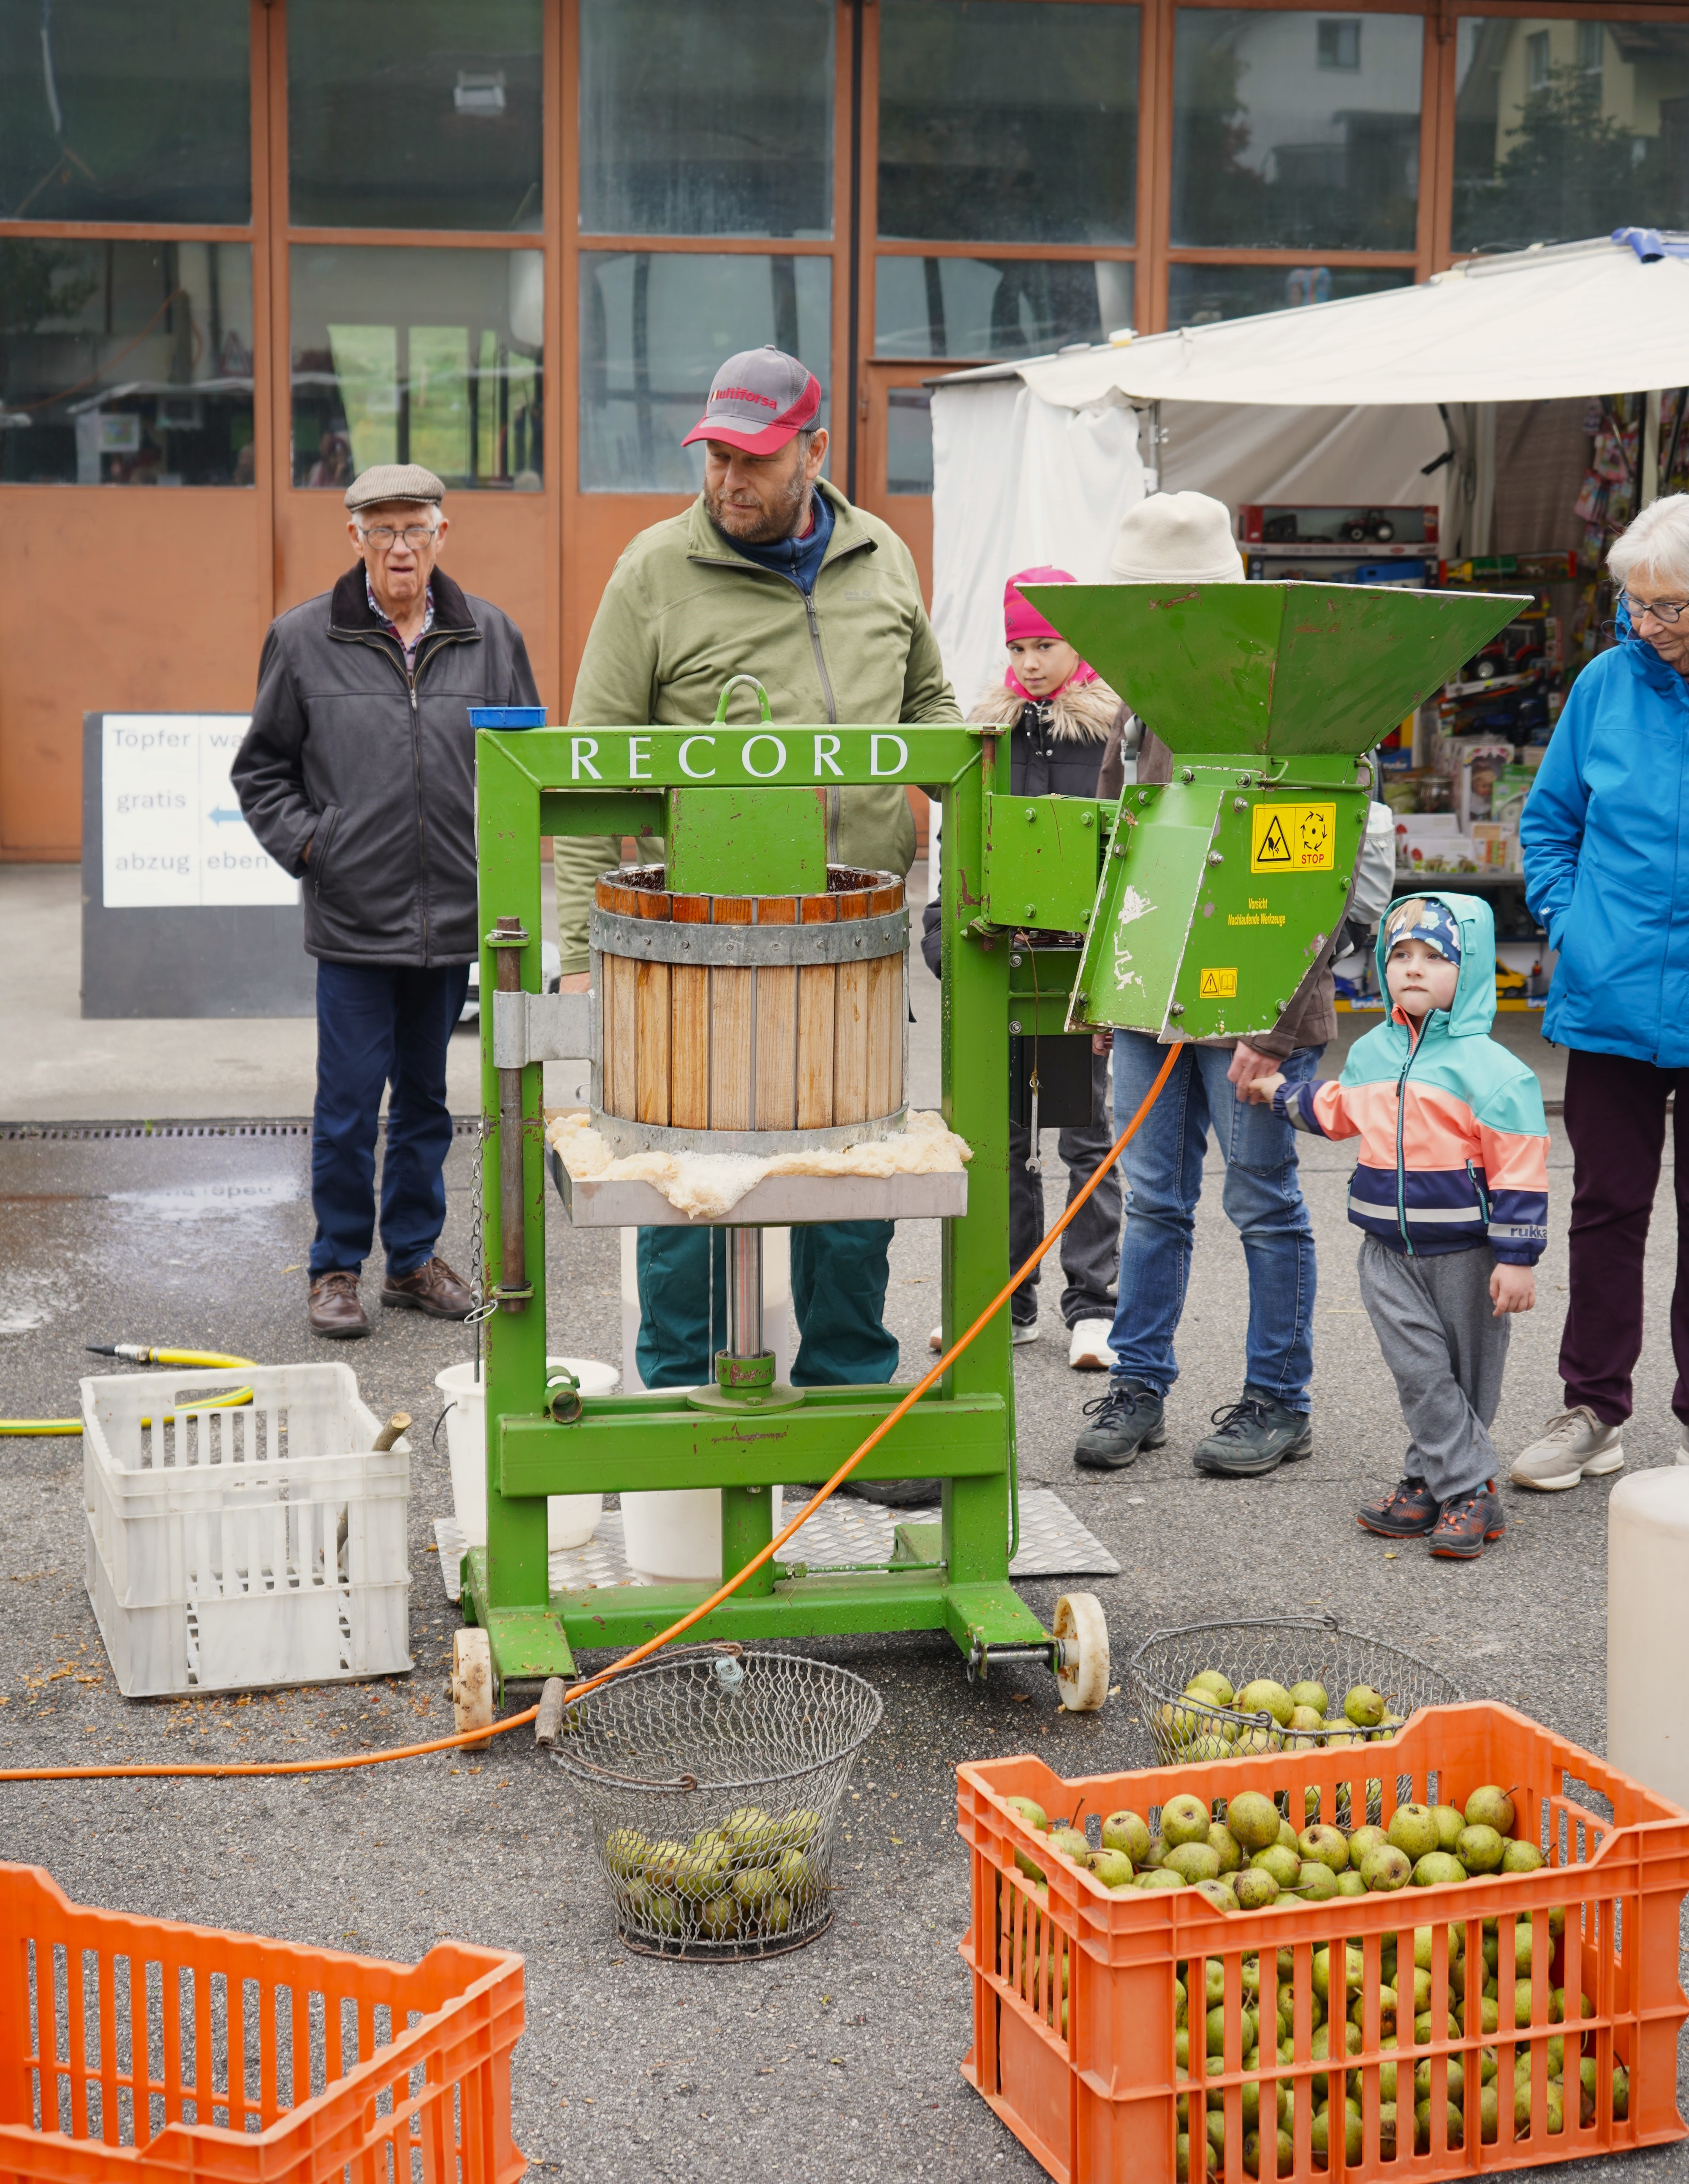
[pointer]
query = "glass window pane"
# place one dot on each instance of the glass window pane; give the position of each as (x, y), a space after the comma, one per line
(1293, 129)
(125, 363)
(908, 440)
(111, 111)
(1007, 121)
(707, 117)
(1564, 130)
(415, 113)
(975, 309)
(418, 356)
(654, 328)
(1198, 295)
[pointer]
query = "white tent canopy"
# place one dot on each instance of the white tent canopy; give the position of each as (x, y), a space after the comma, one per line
(1332, 403)
(1579, 318)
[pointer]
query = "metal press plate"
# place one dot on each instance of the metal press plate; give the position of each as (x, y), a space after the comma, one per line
(778, 1201)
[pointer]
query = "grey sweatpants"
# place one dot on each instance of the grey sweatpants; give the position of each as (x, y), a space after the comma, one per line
(1440, 1339)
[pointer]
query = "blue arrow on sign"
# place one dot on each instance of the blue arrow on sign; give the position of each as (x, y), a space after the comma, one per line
(227, 818)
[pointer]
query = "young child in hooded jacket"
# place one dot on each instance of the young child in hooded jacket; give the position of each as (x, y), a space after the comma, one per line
(1450, 1196)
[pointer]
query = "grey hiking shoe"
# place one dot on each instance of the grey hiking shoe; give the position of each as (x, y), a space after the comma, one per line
(1126, 1416)
(1253, 1436)
(1574, 1445)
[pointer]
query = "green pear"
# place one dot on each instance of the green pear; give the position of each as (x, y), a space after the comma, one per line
(1255, 1890)
(1326, 1846)
(1156, 1853)
(1304, 1721)
(1194, 1861)
(754, 1887)
(1224, 1846)
(719, 1919)
(1290, 1837)
(1480, 1849)
(1422, 2126)
(626, 1852)
(1112, 1868)
(1437, 1868)
(1023, 1859)
(1621, 2092)
(1030, 1810)
(1284, 1865)
(1160, 1876)
(1125, 1831)
(1413, 1829)
(1354, 1970)
(1521, 1858)
(1254, 1818)
(1210, 1680)
(1363, 1706)
(1263, 1696)
(1072, 1844)
(1364, 1840)
(1311, 1695)
(1490, 1806)
(1316, 1883)
(1217, 1893)
(1184, 1819)
(1386, 1868)
(1450, 1821)
(1351, 1884)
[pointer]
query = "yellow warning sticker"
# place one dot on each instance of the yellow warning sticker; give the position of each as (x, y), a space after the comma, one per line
(1293, 838)
(1216, 986)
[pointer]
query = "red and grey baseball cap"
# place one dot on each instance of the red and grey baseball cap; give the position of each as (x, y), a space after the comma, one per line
(757, 400)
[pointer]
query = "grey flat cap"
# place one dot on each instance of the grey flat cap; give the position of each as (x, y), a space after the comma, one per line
(393, 481)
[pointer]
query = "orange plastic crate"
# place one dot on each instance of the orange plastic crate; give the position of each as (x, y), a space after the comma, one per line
(1098, 2100)
(141, 2048)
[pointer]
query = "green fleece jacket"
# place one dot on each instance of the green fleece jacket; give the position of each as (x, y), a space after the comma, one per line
(683, 611)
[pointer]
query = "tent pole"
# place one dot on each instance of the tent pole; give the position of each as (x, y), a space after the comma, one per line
(1647, 484)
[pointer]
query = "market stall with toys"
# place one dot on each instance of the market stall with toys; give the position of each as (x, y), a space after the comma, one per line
(1491, 430)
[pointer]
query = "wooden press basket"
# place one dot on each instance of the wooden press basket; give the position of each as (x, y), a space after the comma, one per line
(749, 1023)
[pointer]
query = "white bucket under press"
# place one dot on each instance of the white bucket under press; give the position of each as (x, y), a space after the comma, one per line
(676, 1533)
(571, 1518)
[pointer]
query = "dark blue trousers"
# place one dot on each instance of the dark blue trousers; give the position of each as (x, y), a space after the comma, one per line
(378, 1026)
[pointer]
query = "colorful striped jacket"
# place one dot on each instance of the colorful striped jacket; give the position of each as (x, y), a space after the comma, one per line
(1454, 1144)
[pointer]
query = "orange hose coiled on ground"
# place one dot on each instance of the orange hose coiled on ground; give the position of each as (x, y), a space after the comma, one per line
(476, 1736)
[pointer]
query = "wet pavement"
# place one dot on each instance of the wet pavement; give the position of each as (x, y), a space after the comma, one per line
(839, 2061)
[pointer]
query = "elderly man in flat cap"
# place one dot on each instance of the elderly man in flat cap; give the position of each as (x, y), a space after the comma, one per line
(358, 776)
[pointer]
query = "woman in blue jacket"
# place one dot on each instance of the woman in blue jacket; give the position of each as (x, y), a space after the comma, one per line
(1606, 841)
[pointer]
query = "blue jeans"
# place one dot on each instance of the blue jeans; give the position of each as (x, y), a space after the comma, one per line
(1263, 1198)
(839, 1272)
(376, 1027)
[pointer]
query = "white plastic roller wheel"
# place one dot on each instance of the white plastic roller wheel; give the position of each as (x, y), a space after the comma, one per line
(471, 1679)
(1083, 1629)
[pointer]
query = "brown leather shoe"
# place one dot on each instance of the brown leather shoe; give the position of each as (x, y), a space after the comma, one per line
(433, 1288)
(335, 1311)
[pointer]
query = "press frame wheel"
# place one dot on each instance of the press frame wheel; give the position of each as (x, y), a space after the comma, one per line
(471, 1679)
(1081, 1631)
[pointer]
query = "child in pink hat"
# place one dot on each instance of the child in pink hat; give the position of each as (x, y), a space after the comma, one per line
(1057, 712)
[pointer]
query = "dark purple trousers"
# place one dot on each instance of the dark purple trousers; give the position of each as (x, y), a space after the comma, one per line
(1615, 1119)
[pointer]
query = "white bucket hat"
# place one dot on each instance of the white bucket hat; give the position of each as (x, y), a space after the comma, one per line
(1177, 538)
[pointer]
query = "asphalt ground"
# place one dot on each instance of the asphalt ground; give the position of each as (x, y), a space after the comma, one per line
(839, 2061)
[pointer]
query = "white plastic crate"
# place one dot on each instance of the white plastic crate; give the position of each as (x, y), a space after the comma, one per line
(228, 1550)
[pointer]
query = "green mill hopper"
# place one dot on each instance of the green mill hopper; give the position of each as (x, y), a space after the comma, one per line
(1219, 889)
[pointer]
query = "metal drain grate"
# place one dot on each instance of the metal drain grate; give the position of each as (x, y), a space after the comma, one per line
(462, 1125)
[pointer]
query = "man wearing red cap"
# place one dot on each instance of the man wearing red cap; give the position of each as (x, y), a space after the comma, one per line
(770, 573)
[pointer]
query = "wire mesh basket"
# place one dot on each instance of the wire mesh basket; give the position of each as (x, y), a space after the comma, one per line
(1286, 1650)
(712, 1785)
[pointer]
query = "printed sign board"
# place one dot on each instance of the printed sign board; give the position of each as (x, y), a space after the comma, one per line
(173, 835)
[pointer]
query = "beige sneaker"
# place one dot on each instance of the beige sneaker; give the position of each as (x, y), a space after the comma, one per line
(1574, 1445)
(1088, 1349)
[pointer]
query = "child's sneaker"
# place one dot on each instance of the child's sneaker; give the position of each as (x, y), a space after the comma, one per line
(1466, 1523)
(1406, 1512)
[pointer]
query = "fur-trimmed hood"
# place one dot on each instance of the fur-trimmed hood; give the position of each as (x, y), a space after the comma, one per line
(1080, 712)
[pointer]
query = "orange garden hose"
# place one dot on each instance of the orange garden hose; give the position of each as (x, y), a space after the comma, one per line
(578, 1691)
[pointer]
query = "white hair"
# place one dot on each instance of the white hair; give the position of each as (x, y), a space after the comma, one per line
(1656, 545)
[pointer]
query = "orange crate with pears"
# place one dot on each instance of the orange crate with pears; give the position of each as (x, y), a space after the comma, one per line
(1545, 2004)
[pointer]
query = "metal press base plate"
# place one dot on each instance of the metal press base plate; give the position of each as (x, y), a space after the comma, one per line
(1053, 1543)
